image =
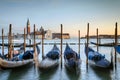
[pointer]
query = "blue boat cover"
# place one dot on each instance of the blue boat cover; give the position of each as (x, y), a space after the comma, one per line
(117, 48)
(92, 55)
(27, 55)
(69, 53)
(54, 53)
(71, 57)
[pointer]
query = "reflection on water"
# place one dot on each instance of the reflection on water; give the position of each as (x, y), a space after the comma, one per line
(72, 75)
(103, 74)
(4, 74)
(29, 72)
(20, 73)
(47, 74)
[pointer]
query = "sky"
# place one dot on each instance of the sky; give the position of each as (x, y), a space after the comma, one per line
(73, 14)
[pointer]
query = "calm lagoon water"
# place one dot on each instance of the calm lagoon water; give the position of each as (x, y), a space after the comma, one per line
(30, 72)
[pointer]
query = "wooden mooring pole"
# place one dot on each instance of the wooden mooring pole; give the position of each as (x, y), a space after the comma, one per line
(79, 43)
(34, 38)
(87, 44)
(2, 42)
(13, 43)
(29, 38)
(10, 42)
(61, 42)
(35, 52)
(43, 44)
(24, 40)
(97, 39)
(115, 44)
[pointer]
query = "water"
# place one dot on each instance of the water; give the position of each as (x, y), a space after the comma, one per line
(30, 72)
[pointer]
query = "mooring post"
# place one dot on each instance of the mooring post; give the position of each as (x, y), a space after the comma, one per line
(2, 42)
(111, 64)
(79, 43)
(13, 43)
(34, 37)
(29, 38)
(10, 42)
(115, 44)
(35, 52)
(87, 44)
(42, 43)
(97, 39)
(24, 40)
(61, 43)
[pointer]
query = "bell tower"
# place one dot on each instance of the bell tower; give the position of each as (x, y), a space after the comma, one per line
(28, 27)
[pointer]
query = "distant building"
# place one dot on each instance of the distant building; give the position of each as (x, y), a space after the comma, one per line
(18, 36)
(58, 35)
(48, 34)
(28, 27)
(106, 36)
(102, 36)
(38, 33)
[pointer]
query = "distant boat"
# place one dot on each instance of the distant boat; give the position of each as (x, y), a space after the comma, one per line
(71, 58)
(19, 45)
(51, 59)
(18, 60)
(97, 59)
(104, 44)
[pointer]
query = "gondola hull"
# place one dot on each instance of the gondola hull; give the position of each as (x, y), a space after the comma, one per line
(19, 60)
(14, 64)
(51, 59)
(73, 67)
(100, 64)
(97, 59)
(48, 64)
(71, 58)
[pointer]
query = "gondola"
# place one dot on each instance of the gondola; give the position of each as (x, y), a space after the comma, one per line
(105, 44)
(18, 60)
(19, 45)
(96, 59)
(72, 60)
(51, 59)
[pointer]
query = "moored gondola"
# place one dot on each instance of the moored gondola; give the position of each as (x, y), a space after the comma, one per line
(97, 59)
(18, 60)
(72, 60)
(51, 59)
